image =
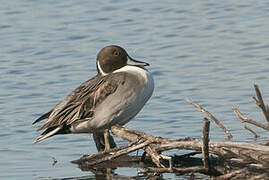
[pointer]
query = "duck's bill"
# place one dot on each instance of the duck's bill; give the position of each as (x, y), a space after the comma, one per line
(131, 61)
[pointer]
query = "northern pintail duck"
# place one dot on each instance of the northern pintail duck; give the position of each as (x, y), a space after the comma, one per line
(114, 96)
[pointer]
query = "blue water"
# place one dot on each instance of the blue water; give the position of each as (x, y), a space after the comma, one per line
(210, 51)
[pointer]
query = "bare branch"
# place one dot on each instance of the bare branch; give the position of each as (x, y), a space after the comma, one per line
(250, 121)
(205, 148)
(226, 155)
(253, 132)
(229, 135)
(258, 153)
(260, 102)
(105, 156)
(174, 170)
(154, 156)
(231, 174)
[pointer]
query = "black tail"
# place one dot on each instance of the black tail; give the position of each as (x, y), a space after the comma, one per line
(48, 133)
(62, 129)
(44, 116)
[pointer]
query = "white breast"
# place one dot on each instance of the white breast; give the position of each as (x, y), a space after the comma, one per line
(144, 75)
(145, 93)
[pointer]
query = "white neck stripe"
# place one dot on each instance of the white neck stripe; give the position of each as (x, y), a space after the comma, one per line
(100, 69)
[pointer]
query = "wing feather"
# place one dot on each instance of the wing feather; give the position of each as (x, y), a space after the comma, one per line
(81, 102)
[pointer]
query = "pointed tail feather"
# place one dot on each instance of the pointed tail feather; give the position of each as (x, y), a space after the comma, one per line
(48, 134)
(44, 116)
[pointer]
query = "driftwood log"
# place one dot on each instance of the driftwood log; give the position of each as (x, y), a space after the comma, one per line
(221, 160)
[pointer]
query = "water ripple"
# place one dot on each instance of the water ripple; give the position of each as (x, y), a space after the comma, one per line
(211, 52)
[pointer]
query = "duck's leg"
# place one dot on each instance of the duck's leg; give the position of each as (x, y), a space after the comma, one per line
(100, 141)
(106, 137)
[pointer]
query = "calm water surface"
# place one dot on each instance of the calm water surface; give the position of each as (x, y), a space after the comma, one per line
(212, 52)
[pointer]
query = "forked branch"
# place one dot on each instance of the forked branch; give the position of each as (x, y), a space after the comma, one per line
(260, 103)
(203, 110)
(250, 121)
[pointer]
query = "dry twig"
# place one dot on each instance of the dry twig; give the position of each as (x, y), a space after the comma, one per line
(194, 169)
(205, 148)
(260, 102)
(229, 135)
(250, 121)
(253, 132)
(231, 174)
(154, 155)
(106, 156)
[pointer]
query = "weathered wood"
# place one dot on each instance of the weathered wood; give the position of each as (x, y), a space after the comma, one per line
(205, 148)
(203, 110)
(154, 155)
(239, 155)
(260, 102)
(228, 160)
(265, 109)
(253, 132)
(195, 169)
(227, 148)
(231, 174)
(107, 156)
(250, 121)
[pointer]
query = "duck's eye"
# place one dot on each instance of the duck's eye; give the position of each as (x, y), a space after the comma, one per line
(116, 53)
